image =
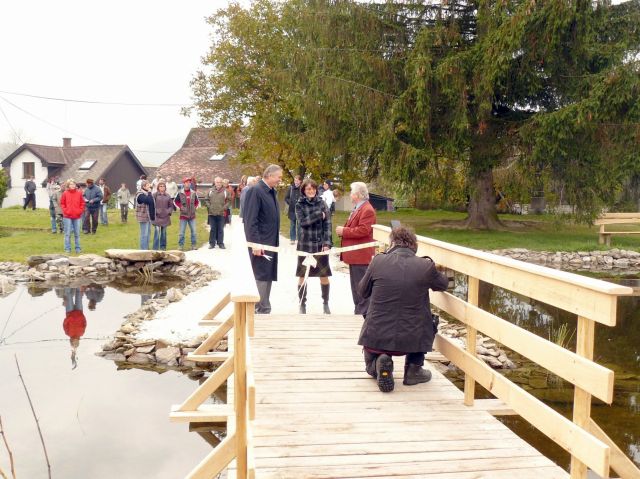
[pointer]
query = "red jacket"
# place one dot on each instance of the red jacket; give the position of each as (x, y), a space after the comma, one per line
(72, 204)
(74, 324)
(358, 230)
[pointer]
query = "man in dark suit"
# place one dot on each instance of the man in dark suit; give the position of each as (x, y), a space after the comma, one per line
(261, 215)
(358, 230)
(291, 198)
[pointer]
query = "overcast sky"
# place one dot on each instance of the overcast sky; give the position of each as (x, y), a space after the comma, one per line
(138, 51)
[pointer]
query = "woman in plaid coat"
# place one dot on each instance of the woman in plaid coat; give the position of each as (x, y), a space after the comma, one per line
(314, 229)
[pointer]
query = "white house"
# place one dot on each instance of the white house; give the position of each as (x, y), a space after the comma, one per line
(23, 166)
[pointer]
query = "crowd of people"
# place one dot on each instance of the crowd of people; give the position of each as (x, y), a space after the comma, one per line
(74, 208)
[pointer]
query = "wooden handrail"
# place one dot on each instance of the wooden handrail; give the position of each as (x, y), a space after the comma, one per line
(592, 300)
(584, 296)
(238, 443)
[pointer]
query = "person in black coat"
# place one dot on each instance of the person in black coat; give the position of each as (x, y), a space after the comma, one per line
(291, 199)
(261, 214)
(399, 320)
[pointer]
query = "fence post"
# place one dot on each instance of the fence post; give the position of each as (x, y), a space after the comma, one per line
(473, 297)
(240, 387)
(581, 399)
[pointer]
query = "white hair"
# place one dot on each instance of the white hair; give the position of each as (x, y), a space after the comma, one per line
(271, 170)
(359, 188)
(251, 181)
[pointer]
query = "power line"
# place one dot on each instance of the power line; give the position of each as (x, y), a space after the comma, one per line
(93, 102)
(101, 143)
(15, 133)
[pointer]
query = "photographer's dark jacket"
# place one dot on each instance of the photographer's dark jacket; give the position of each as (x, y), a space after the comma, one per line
(314, 231)
(399, 315)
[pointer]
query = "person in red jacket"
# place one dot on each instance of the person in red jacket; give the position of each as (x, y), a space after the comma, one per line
(72, 205)
(75, 323)
(358, 230)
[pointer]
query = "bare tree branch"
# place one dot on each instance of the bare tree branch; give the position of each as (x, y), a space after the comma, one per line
(44, 447)
(6, 444)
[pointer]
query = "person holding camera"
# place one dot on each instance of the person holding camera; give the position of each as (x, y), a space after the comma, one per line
(399, 320)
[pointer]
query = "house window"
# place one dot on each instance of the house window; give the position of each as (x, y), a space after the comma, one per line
(87, 164)
(28, 169)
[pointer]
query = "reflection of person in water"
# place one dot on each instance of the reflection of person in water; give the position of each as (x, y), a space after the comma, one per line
(74, 323)
(95, 294)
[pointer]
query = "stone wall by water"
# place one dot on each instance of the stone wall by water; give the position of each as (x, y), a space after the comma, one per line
(613, 259)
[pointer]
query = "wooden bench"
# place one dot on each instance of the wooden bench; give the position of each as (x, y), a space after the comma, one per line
(613, 219)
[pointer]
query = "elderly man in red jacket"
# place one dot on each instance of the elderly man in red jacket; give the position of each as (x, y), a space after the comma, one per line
(358, 230)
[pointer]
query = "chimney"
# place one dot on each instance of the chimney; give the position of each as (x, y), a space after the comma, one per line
(66, 142)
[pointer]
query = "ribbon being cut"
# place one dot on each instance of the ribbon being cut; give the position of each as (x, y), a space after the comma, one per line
(310, 261)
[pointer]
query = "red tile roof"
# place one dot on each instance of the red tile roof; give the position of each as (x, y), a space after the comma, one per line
(194, 160)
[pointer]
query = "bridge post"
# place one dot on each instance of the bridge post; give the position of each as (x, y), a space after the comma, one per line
(240, 387)
(585, 337)
(473, 297)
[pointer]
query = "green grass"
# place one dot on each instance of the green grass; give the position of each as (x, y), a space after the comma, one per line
(533, 232)
(29, 233)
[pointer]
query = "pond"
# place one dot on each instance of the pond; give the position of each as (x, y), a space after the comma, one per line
(617, 348)
(97, 421)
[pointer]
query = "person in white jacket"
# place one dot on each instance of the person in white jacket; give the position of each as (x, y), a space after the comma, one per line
(328, 197)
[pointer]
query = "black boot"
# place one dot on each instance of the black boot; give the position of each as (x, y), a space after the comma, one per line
(370, 363)
(325, 298)
(302, 296)
(384, 372)
(415, 374)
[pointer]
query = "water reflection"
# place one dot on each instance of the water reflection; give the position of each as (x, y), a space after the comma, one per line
(74, 323)
(97, 422)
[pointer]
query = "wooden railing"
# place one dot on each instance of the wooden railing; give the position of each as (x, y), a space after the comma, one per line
(239, 411)
(590, 299)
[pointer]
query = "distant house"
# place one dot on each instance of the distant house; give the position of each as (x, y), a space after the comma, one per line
(115, 163)
(202, 158)
(379, 202)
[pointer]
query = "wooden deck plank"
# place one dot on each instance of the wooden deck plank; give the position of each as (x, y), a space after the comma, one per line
(373, 448)
(318, 414)
(482, 467)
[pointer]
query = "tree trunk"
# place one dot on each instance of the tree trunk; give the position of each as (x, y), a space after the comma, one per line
(482, 207)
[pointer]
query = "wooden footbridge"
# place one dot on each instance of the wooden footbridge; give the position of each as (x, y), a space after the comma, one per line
(301, 406)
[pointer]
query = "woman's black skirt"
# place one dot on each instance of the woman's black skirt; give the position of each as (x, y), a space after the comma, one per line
(321, 269)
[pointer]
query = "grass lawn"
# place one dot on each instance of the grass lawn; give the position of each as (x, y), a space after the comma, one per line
(533, 232)
(25, 233)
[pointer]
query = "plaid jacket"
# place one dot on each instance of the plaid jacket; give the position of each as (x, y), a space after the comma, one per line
(313, 231)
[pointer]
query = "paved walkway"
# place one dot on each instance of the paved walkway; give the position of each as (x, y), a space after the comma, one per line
(179, 321)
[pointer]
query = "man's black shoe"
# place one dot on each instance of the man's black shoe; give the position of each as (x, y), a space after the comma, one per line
(221, 246)
(211, 246)
(384, 371)
(415, 374)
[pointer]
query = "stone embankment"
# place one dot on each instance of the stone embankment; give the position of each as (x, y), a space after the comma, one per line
(613, 259)
(126, 347)
(486, 348)
(56, 267)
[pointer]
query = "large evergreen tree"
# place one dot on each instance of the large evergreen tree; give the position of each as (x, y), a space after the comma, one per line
(554, 84)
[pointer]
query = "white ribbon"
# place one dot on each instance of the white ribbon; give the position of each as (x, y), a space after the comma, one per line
(309, 260)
